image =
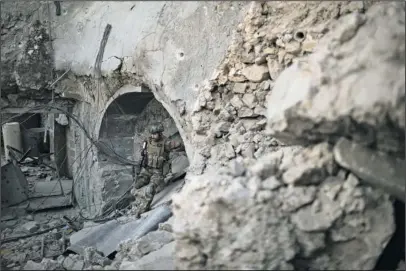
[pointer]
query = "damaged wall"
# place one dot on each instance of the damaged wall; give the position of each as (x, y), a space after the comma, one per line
(26, 55)
(124, 127)
(219, 100)
(162, 53)
(311, 206)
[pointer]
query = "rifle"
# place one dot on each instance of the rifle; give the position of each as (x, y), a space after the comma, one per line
(143, 155)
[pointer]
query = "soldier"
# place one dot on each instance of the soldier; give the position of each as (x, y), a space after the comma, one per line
(150, 180)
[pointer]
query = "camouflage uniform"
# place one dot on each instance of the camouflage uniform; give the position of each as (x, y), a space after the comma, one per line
(143, 199)
(150, 180)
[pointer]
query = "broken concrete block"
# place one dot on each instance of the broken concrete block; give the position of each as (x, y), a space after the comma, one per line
(236, 102)
(240, 88)
(374, 168)
(311, 99)
(274, 67)
(248, 57)
(294, 198)
(245, 112)
(256, 73)
(308, 45)
(73, 264)
(293, 47)
(31, 227)
(31, 265)
(45, 264)
(271, 183)
(260, 110)
(312, 219)
(310, 242)
(152, 242)
(92, 256)
(250, 100)
(162, 259)
(179, 164)
(166, 226)
(313, 165)
(222, 128)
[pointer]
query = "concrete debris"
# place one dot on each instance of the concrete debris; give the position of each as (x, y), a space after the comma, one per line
(312, 166)
(287, 216)
(161, 259)
(31, 227)
(256, 73)
(377, 117)
(45, 264)
(91, 255)
(240, 88)
(73, 262)
(136, 249)
(166, 226)
(374, 168)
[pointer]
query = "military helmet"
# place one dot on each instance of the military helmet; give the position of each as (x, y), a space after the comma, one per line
(156, 128)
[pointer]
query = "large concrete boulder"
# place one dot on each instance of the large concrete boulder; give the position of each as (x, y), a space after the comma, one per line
(353, 85)
(296, 208)
(244, 223)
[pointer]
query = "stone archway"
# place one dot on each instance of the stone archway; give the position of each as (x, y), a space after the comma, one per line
(123, 127)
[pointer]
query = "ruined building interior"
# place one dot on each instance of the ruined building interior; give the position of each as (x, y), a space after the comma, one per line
(279, 132)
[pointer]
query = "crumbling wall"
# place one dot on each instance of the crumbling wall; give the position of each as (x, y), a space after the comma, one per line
(228, 118)
(26, 55)
(302, 207)
(161, 53)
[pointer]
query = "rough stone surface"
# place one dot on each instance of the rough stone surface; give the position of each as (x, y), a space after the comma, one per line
(256, 73)
(296, 208)
(235, 223)
(45, 264)
(31, 227)
(136, 249)
(312, 166)
(338, 90)
(73, 263)
(161, 259)
(91, 255)
(27, 55)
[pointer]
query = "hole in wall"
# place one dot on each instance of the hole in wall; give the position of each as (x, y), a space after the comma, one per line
(299, 36)
(181, 54)
(394, 251)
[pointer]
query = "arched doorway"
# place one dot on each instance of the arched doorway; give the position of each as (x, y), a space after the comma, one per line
(123, 127)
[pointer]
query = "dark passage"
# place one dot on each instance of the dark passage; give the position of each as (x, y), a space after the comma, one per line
(395, 250)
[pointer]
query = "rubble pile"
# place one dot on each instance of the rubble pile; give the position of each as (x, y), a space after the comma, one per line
(48, 236)
(228, 119)
(306, 207)
(154, 251)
